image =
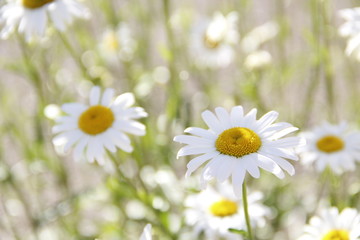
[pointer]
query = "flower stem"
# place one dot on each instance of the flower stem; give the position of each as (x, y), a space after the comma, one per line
(246, 212)
(77, 58)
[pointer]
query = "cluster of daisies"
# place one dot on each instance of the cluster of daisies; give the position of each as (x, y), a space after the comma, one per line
(234, 144)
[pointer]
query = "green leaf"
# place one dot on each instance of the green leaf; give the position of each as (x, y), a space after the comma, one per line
(239, 231)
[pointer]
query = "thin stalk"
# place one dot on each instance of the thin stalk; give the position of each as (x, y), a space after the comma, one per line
(175, 85)
(7, 218)
(246, 211)
(76, 58)
(144, 198)
(328, 66)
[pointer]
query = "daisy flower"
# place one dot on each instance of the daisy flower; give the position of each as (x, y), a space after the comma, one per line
(117, 44)
(332, 225)
(214, 211)
(102, 125)
(146, 235)
(351, 30)
(236, 143)
(30, 17)
(333, 146)
(211, 40)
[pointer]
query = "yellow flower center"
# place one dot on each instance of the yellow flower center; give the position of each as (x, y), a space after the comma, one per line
(337, 235)
(35, 3)
(96, 119)
(111, 41)
(330, 144)
(238, 142)
(210, 43)
(223, 208)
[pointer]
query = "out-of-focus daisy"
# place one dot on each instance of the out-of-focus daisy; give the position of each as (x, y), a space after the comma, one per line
(351, 30)
(101, 125)
(236, 143)
(257, 60)
(117, 44)
(146, 235)
(259, 35)
(333, 146)
(211, 40)
(30, 17)
(215, 211)
(331, 225)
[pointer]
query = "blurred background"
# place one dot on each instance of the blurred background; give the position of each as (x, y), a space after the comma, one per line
(281, 55)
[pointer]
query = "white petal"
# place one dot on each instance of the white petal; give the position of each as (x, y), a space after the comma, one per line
(75, 136)
(107, 97)
(223, 117)
(191, 150)
(201, 132)
(192, 140)
(237, 115)
(267, 119)
(195, 163)
(238, 176)
(211, 120)
(80, 146)
(125, 100)
(74, 109)
(129, 126)
(94, 95)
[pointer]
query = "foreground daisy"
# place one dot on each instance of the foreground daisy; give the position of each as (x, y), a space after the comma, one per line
(30, 17)
(351, 30)
(236, 143)
(333, 146)
(102, 125)
(214, 211)
(146, 235)
(211, 40)
(331, 225)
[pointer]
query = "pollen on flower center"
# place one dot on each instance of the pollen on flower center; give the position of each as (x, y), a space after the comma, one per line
(337, 234)
(96, 119)
(223, 208)
(238, 142)
(330, 144)
(35, 3)
(210, 43)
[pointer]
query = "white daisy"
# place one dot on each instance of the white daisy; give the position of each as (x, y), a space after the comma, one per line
(331, 225)
(236, 143)
(30, 17)
(351, 30)
(211, 40)
(99, 126)
(117, 44)
(333, 146)
(146, 235)
(213, 212)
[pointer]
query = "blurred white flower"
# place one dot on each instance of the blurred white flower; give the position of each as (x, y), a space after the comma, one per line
(99, 126)
(257, 60)
(333, 146)
(210, 42)
(332, 225)
(259, 35)
(236, 143)
(30, 17)
(117, 44)
(351, 30)
(146, 235)
(214, 211)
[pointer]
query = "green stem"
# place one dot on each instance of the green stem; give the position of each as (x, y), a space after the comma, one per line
(77, 58)
(246, 211)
